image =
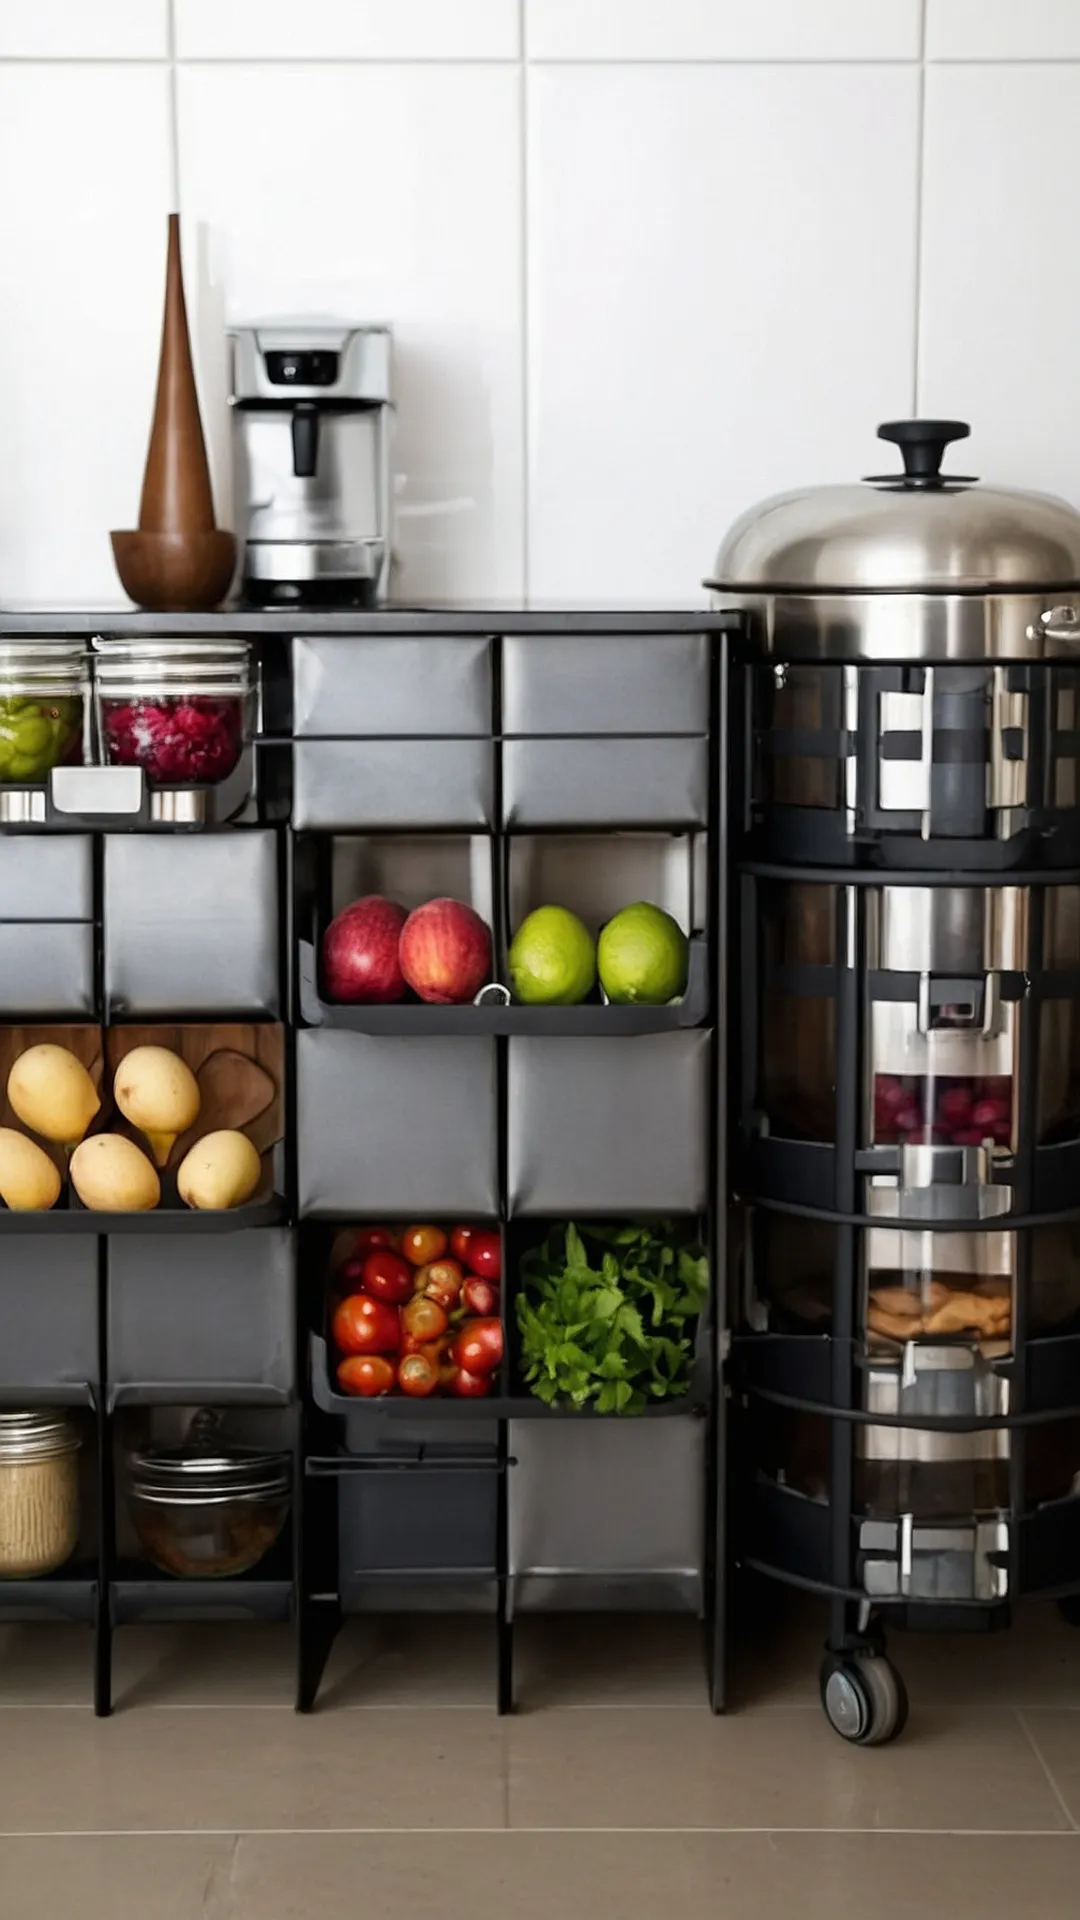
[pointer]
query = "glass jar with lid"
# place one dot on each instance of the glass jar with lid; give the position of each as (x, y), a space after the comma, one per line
(208, 1510)
(43, 700)
(39, 1493)
(179, 709)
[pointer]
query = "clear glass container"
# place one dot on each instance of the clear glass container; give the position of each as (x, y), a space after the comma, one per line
(44, 685)
(207, 1510)
(179, 709)
(39, 1494)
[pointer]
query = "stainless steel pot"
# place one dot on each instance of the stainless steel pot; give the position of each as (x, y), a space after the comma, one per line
(920, 566)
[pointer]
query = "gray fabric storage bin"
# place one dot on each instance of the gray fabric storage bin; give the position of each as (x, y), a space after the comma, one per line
(396, 1127)
(355, 686)
(605, 783)
(191, 923)
(607, 1513)
(608, 1126)
(46, 926)
(605, 683)
(391, 784)
(48, 1318)
(217, 1313)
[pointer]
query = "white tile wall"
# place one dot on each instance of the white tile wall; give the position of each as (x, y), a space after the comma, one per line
(702, 329)
(82, 241)
(999, 307)
(723, 29)
(645, 259)
(83, 29)
(1003, 29)
(402, 201)
(348, 29)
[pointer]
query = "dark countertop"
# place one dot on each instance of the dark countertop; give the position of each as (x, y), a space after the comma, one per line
(431, 618)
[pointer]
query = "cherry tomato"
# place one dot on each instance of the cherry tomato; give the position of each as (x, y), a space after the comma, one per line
(459, 1243)
(373, 1240)
(442, 1282)
(361, 1325)
(421, 1244)
(480, 1297)
(470, 1386)
(479, 1346)
(423, 1318)
(484, 1255)
(417, 1375)
(388, 1277)
(367, 1375)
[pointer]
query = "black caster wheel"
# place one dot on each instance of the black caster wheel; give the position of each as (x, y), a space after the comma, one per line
(864, 1698)
(1070, 1609)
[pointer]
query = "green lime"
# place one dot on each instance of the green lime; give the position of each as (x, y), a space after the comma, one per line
(552, 959)
(642, 956)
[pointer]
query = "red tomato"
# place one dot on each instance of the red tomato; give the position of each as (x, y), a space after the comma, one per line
(479, 1346)
(371, 1240)
(361, 1325)
(388, 1277)
(421, 1244)
(423, 1318)
(442, 1282)
(470, 1386)
(417, 1375)
(480, 1297)
(459, 1243)
(367, 1375)
(484, 1254)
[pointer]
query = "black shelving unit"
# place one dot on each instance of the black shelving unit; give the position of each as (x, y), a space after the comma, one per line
(506, 745)
(926, 1478)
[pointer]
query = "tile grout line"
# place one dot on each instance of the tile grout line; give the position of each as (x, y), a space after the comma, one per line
(1050, 1780)
(511, 60)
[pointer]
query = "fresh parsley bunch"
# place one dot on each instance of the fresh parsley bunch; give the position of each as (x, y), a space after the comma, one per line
(614, 1331)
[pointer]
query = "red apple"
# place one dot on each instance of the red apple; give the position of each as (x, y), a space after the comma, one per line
(360, 953)
(445, 952)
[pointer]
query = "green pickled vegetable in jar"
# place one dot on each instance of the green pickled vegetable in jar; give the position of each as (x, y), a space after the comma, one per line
(37, 735)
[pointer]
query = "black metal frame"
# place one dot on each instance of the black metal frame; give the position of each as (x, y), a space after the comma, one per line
(299, 1581)
(808, 1542)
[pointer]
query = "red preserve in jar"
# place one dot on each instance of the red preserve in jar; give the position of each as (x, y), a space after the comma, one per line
(968, 1111)
(178, 709)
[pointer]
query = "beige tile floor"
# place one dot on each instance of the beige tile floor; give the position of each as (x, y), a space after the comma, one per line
(613, 1794)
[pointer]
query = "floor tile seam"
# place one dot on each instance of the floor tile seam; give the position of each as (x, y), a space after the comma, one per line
(1048, 1771)
(239, 1831)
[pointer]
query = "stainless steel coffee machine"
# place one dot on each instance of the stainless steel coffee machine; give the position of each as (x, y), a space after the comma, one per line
(312, 412)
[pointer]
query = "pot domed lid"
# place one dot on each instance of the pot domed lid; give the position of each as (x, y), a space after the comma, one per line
(920, 531)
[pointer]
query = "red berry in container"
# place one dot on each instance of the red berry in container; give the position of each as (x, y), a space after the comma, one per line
(889, 1093)
(987, 1112)
(178, 740)
(955, 1106)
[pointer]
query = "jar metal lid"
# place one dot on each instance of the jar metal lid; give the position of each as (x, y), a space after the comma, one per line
(207, 1468)
(36, 1436)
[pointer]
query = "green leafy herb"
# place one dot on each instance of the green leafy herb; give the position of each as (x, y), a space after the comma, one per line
(608, 1316)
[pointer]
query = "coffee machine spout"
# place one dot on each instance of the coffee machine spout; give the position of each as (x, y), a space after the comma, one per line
(305, 440)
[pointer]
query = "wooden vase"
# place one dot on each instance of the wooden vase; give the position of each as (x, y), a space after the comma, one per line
(178, 560)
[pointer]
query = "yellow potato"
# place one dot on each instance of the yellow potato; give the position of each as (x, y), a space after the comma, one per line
(29, 1183)
(52, 1094)
(110, 1175)
(159, 1094)
(222, 1170)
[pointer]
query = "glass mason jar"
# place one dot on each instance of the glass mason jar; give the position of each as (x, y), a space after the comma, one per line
(43, 699)
(179, 709)
(39, 1494)
(207, 1510)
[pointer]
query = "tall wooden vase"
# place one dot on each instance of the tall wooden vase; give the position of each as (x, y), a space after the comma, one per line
(178, 561)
